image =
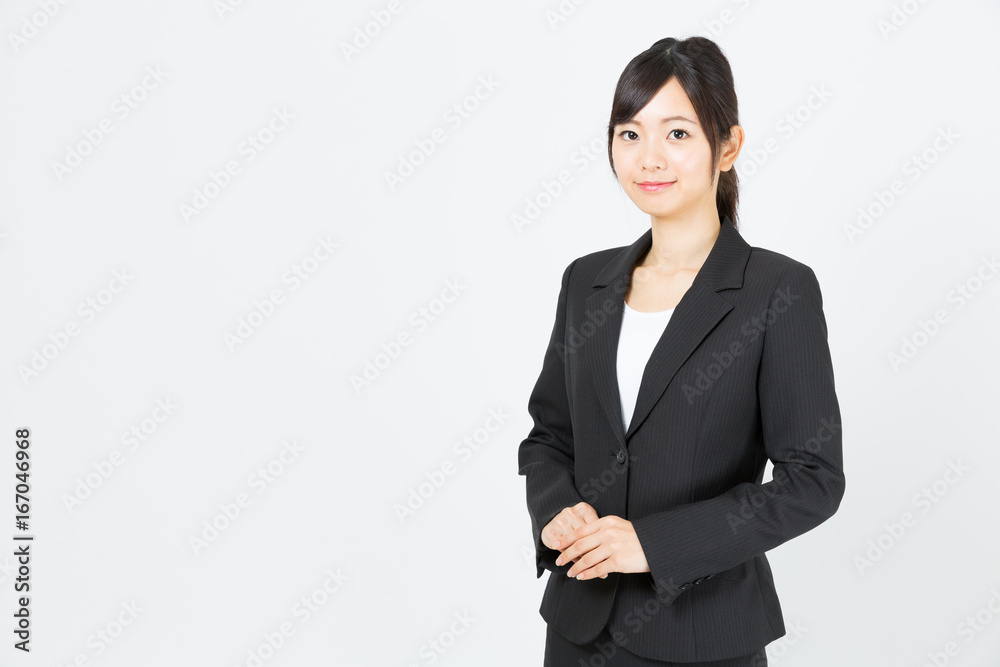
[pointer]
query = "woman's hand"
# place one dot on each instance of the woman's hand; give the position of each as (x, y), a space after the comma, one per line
(555, 533)
(566, 522)
(608, 544)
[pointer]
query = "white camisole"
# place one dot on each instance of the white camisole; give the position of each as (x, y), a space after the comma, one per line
(639, 334)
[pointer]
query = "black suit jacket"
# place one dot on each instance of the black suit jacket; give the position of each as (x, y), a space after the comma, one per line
(741, 374)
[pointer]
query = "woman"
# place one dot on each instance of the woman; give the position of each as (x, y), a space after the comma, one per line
(677, 366)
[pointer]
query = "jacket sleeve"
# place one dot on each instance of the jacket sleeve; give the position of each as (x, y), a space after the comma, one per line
(801, 431)
(545, 457)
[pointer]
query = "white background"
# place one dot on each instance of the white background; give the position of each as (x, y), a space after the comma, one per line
(334, 506)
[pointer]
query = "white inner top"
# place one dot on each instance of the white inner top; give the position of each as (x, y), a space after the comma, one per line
(639, 334)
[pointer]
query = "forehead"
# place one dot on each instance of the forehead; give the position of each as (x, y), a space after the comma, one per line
(669, 104)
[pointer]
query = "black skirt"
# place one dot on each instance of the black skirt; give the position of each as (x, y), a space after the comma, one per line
(604, 652)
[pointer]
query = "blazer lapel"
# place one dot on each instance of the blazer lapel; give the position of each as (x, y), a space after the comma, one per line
(696, 314)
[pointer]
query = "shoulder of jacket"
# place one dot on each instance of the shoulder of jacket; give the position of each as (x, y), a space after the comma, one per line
(770, 265)
(765, 265)
(586, 267)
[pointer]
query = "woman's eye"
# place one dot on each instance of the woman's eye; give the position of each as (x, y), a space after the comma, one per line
(625, 134)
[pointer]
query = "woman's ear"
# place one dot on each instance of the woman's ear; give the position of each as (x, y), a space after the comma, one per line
(731, 147)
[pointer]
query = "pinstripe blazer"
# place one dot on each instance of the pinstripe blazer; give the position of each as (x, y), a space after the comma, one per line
(741, 374)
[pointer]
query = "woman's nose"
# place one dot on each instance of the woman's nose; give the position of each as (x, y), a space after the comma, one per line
(653, 157)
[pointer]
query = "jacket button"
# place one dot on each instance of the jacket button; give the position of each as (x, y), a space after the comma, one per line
(621, 456)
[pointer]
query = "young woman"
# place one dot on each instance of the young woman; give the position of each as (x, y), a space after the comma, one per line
(677, 366)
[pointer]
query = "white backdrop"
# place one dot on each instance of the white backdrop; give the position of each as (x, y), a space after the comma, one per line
(217, 217)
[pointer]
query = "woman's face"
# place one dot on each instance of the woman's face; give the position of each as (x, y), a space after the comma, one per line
(664, 143)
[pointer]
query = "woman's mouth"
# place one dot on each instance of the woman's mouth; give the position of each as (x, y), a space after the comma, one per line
(655, 186)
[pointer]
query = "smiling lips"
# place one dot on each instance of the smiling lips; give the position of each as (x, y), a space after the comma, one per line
(655, 186)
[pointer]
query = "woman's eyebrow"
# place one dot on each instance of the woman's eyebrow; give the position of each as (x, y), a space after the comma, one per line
(662, 120)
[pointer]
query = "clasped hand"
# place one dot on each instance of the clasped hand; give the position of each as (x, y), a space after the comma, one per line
(596, 545)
